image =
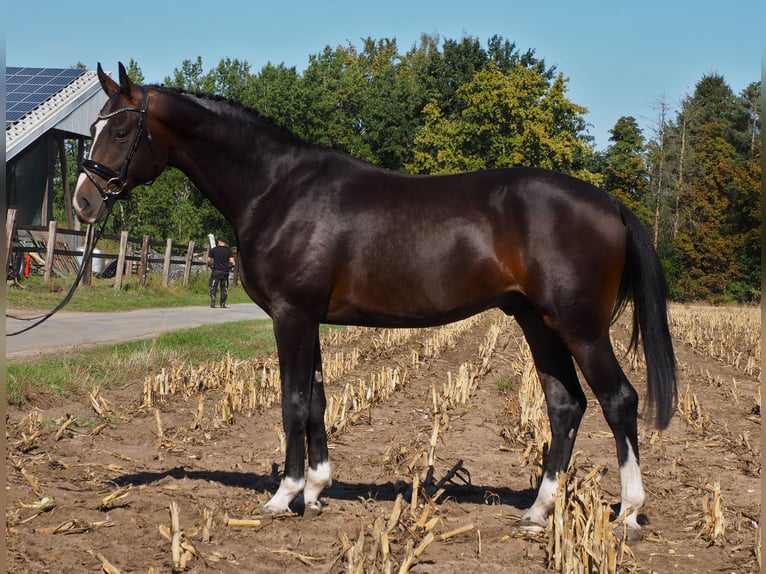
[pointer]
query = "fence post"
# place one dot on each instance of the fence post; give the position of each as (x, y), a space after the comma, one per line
(121, 260)
(144, 261)
(187, 268)
(49, 255)
(235, 274)
(10, 224)
(166, 263)
(129, 263)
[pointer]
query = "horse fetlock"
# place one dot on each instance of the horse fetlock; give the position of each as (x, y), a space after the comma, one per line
(317, 479)
(546, 497)
(319, 476)
(633, 494)
(288, 489)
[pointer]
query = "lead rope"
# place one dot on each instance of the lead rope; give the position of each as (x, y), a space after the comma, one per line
(92, 236)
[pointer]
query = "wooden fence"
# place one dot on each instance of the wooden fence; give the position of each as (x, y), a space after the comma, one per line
(58, 250)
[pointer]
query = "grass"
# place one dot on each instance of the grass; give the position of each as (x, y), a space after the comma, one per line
(101, 296)
(505, 385)
(112, 366)
(53, 377)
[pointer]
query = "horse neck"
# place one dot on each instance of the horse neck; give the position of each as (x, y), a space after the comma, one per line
(220, 149)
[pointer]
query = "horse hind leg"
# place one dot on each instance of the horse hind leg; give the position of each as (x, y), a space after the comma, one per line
(619, 403)
(565, 403)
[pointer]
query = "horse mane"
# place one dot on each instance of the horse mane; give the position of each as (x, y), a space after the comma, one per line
(229, 106)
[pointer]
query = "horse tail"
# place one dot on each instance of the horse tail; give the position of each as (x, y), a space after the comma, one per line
(643, 282)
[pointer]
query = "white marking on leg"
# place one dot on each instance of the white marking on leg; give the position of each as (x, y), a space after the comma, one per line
(633, 494)
(316, 480)
(546, 498)
(288, 489)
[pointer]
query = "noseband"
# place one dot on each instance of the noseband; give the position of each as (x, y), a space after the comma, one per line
(116, 183)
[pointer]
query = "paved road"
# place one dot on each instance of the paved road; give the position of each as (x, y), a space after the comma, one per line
(66, 330)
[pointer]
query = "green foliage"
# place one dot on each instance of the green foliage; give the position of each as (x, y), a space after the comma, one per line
(711, 180)
(502, 119)
(625, 171)
(455, 105)
(277, 92)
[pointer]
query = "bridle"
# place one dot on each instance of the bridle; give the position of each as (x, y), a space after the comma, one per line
(116, 183)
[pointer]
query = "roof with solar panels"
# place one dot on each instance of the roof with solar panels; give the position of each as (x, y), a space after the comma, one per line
(41, 99)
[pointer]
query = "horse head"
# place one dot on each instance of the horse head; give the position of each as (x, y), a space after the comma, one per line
(123, 153)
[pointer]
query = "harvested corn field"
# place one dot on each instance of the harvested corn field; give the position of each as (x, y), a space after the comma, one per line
(436, 441)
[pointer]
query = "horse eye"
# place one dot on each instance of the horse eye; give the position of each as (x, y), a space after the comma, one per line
(121, 134)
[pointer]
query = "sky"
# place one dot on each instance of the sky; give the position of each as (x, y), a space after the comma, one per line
(621, 57)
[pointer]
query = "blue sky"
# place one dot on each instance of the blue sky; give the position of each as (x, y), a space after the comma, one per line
(620, 57)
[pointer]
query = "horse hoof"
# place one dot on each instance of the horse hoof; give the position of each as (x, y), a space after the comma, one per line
(272, 510)
(526, 527)
(313, 509)
(628, 534)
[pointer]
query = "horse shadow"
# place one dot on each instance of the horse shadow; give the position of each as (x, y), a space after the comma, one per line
(464, 492)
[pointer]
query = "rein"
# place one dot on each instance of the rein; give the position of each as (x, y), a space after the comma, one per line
(90, 239)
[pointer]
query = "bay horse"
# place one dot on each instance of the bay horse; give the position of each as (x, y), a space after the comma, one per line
(327, 238)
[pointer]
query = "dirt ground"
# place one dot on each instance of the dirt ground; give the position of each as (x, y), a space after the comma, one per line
(78, 460)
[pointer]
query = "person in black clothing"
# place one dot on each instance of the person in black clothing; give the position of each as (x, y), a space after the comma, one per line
(220, 259)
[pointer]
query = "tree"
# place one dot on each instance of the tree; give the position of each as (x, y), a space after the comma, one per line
(389, 114)
(720, 221)
(362, 102)
(706, 242)
(278, 93)
(504, 119)
(439, 145)
(189, 77)
(230, 79)
(134, 72)
(457, 105)
(625, 170)
(751, 105)
(334, 88)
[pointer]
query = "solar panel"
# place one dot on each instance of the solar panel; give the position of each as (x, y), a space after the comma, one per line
(27, 88)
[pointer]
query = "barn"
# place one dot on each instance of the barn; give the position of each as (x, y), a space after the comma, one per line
(45, 107)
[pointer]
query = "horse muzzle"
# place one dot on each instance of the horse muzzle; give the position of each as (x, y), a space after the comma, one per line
(89, 204)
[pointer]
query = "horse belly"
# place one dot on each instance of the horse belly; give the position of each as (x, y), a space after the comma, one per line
(415, 294)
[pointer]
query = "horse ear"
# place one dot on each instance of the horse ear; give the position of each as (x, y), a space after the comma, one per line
(107, 83)
(125, 82)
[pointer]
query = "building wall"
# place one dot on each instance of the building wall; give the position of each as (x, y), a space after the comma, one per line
(27, 177)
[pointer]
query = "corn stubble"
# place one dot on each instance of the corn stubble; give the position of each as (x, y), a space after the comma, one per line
(581, 537)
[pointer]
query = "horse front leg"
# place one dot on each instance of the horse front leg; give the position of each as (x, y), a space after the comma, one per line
(297, 341)
(319, 474)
